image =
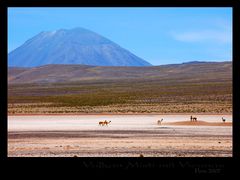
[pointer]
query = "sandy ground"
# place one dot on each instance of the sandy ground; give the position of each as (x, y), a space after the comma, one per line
(125, 136)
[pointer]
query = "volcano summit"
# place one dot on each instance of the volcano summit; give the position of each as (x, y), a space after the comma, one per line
(74, 46)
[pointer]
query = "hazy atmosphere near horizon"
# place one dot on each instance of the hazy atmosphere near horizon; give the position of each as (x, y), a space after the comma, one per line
(157, 35)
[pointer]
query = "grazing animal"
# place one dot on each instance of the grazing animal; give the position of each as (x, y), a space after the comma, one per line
(102, 123)
(223, 119)
(159, 122)
(193, 118)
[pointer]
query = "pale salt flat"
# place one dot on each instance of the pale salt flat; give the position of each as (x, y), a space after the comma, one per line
(90, 122)
(125, 136)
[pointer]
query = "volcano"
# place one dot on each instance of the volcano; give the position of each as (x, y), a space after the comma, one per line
(74, 46)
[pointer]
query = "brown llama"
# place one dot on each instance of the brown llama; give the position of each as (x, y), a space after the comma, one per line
(102, 123)
(159, 122)
(223, 120)
(193, 119)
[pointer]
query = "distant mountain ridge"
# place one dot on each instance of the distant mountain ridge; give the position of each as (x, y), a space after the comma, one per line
(200, 62)
(74, 73)
(195, 62)
(74, 46)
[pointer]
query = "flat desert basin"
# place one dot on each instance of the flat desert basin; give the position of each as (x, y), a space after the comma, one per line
(125, 136)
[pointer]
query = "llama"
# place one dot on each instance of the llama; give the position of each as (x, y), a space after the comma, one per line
(223, 120)
(102, 123)
(159, 122)
(193, 118)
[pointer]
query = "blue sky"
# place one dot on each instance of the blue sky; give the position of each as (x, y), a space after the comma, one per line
(158, 35)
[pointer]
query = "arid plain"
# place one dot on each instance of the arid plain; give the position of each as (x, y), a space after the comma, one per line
(124, 136)
(57, 112)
